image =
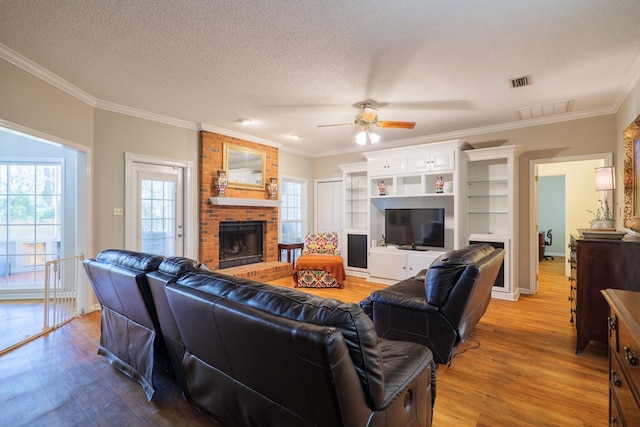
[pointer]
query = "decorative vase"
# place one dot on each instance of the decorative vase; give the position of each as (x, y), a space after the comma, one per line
(439, 185)
(272, 187)
(601, 224)
(382, 189)
(221, 182)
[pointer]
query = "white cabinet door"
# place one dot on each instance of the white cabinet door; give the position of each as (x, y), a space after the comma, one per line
(387, 264)
(419, 163)
(386, 167)
(432, 161)
(443, 160)
(399, 264)
(418, 261)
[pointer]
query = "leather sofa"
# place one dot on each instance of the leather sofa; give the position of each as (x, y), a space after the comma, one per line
(249, 353)
(262, 355)
(441, 305)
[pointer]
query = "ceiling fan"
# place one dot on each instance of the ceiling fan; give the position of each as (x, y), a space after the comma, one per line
(368, 117)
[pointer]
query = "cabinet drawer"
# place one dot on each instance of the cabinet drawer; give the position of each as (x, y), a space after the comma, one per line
(615, 417)
(622, 393)
(628, 353)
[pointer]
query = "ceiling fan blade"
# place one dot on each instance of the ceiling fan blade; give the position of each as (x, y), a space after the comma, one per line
(339, 124)
(399, 125)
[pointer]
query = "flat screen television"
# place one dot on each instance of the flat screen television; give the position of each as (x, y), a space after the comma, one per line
(414, 227)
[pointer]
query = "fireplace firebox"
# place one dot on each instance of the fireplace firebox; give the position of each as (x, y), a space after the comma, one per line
(241, 243)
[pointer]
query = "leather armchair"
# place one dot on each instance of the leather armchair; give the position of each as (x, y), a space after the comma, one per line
(441, 305)
(129, 323)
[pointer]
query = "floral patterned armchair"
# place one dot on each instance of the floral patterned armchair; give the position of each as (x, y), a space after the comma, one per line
(320, 265)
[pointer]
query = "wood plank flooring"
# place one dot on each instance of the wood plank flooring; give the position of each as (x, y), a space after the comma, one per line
(520, 369)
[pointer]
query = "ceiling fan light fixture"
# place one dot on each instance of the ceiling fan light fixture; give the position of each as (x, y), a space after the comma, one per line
(374, 137)
(361, 137)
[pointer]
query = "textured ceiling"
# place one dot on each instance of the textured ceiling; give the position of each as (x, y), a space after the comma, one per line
(291, 66)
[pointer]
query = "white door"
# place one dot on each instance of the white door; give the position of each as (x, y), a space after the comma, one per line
(328, 206)
(157, 209)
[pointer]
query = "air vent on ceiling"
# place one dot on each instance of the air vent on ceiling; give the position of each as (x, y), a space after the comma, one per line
(520, 81)
(550, 109)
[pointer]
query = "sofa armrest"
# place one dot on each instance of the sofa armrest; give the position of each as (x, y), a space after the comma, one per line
(408, 293)
(422, 274)
(410, 382)
(367, 306)
(399, 300)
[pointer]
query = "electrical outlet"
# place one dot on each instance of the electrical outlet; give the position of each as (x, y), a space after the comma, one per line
(117, 211)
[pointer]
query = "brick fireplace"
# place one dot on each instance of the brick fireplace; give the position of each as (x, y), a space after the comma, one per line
(239, 204)
(210, 226)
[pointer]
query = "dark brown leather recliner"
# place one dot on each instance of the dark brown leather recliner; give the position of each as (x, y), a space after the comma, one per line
(261, 355)
(169, 271)
(129, 322)
(441, 305)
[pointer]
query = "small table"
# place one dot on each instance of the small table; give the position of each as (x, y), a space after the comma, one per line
(291, 249)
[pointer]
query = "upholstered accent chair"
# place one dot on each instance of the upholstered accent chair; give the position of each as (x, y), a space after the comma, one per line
(320, 265)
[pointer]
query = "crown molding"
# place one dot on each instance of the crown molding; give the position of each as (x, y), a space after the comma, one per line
(239, 135)
(632, 80)
(31, 67)
(130, 111)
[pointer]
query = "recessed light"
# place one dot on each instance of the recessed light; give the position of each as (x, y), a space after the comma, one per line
(246, 122)
(294, 137)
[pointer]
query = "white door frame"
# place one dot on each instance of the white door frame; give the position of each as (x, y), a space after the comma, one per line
(190, 221)
(84, 202)
(533, 209)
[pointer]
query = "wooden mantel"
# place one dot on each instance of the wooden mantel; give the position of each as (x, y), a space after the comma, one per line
(238, 201)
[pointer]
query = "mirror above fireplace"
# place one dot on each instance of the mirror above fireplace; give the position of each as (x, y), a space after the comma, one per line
(245, 166)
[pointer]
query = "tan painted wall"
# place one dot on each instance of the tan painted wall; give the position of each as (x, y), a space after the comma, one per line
(116, 134)
(29, 102)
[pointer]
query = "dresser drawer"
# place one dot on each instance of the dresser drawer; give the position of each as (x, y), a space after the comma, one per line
(622, 394)
(615, 415)
(628, 352)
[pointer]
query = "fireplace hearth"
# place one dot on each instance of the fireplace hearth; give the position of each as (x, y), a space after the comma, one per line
(241, 243)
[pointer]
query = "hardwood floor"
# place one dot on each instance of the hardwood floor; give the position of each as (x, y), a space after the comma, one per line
(519, 370)
(20, 320)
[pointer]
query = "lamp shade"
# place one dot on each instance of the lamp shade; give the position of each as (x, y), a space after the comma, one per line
(605, 178)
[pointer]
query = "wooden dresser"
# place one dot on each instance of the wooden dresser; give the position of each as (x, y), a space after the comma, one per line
(624, 353)
(602, 264)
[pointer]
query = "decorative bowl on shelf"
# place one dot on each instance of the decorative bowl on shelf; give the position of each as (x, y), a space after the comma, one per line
(601, 233)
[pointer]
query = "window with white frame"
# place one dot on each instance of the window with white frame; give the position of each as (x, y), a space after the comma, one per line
(30, 221)
(292, 224)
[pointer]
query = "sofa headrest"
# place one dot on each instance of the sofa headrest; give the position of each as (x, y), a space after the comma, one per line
(130, 259)
(177, 266)
(446, 270)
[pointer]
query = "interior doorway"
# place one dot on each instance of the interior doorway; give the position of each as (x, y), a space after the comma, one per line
(44, 218)
(580, 197)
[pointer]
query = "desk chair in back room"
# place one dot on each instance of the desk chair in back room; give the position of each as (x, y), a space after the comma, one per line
(547, 242)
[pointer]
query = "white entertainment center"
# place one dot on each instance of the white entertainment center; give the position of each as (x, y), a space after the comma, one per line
(475, 187)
